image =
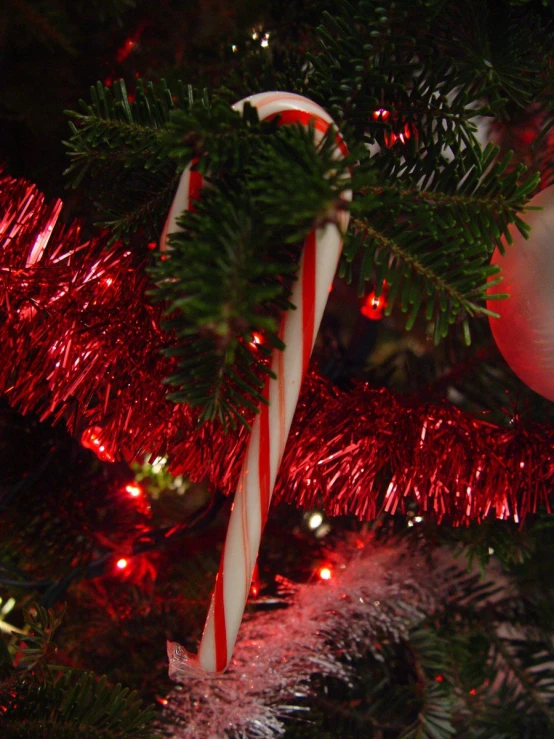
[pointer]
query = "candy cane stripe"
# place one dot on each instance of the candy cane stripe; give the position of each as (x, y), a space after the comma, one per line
(219, 619)
(308, 300)
(264, 469)
(270, 429)
(196, 183)
(287, 117)
(188, 192)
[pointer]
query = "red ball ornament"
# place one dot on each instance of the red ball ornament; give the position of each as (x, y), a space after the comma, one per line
(524, 332)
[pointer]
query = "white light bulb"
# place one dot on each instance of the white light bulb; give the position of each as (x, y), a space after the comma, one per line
(315, 520)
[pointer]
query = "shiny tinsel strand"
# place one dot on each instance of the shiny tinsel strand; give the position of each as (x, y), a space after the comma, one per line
(81, 343)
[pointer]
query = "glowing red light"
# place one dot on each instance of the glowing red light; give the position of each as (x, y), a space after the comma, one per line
(381, 114)
(121, 563)
(439, 679)
(162, 701)
(325, 573)
(391, 137)
(124, 50)
(373, 306)
(152, 245)
(130, 44)
(91, 439)
(256, 340)
(134, 490)
(473, 691)
(255, 586)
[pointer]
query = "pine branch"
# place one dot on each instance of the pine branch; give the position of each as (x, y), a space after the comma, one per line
(121, 145)
(498, 50)
(36, 703)
(229, 272)
(38, 647)
(431, 241)
(434, 719)
(521, 702)
(137, 204)
(426, 217)
(369, 60)
(135, 150)
(76, 709)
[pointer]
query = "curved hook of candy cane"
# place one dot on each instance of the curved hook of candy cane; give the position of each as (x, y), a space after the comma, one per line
(271, 426)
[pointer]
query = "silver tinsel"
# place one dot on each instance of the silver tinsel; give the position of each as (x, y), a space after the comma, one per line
(374, 593)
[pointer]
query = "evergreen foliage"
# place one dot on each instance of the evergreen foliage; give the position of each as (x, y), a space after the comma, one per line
(37, 702)
(429, 204)
(406, 82)
(229, 271)
(112, 136)
(492, 636)
(473, 669)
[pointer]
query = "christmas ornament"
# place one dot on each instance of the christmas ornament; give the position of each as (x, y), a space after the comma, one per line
(524, 332)
(270, 429)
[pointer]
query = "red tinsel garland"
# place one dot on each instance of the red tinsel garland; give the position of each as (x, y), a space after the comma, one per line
(80, 342)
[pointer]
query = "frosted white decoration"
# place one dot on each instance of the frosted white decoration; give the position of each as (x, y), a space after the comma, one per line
(375, 592)
(524, 332)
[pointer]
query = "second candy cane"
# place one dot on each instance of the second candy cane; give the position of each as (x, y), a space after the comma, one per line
(271, 427)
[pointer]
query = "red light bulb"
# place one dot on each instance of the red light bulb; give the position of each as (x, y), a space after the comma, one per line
(91, 439)
(256, 340)
(325, 573)
(373, 306)
(122, 563)
(134, 490)
(126, 49)
(380, 115)
(255, 586)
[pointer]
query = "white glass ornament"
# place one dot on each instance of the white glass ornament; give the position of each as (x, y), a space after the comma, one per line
(524, 332)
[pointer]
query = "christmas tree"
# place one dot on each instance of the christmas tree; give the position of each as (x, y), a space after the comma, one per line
(153, 257)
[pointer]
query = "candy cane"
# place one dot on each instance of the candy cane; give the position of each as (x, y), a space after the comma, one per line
(271, 427)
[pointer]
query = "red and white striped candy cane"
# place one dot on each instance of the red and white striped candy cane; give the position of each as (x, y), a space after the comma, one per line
(271, 427)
